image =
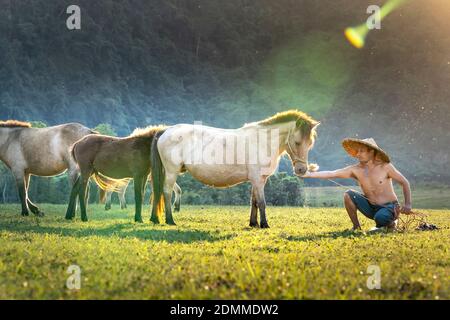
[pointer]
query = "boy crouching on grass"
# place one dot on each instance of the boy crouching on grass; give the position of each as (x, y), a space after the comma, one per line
(374, 173)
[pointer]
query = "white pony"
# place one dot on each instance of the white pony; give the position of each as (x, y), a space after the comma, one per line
(226, 157)
(120, 193)
(106, 197)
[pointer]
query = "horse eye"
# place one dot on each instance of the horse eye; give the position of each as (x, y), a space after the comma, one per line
(297, 144)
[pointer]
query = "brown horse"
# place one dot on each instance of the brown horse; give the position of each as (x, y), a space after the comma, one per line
(112, 161)
(38, 151)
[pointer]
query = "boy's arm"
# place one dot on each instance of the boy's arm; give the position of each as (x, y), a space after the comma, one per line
(398, 177)
(344, 173)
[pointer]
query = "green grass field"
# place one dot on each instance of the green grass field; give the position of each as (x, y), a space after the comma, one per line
(212, 254)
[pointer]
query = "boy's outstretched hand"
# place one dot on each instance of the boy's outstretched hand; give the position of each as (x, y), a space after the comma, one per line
(306, 175)
(312, 167)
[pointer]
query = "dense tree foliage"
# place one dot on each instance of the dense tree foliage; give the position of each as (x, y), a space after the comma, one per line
(138, 62)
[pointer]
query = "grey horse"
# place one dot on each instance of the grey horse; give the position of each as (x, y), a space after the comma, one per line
(38, 151)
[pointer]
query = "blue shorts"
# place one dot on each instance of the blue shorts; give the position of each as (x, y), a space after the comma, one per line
(383, 215)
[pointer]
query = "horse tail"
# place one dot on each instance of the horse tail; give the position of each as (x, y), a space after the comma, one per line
(72, 152)
(157, 177)
(109, 184)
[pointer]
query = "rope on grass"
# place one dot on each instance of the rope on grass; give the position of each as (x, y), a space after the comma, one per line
(414, 221)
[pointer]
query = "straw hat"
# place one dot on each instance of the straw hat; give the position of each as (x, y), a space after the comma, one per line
(351, 146)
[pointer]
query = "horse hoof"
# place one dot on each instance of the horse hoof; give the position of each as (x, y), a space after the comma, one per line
(172, 223)
(265, 225)
(138, 220)
(155, 221)
(40, 214)
(69, 218)
(253, 224)
(25, 214)
(35, 211)
(84, 219)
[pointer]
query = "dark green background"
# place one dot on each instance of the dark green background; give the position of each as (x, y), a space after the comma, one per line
(136, 63)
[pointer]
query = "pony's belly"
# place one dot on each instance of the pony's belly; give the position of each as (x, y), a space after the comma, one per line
(223, 176)
(47, 172)
(43, 161)
(113, 170)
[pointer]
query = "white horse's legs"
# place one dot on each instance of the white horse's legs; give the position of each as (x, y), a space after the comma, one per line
(83, 196)
(177, 191)
(70, 213)
(261, 201)
(31, 205)
(168, 188)
(73, 173)
(19, 175)
(121, 194)
(108, 200)
(254, 209)
(177, 202)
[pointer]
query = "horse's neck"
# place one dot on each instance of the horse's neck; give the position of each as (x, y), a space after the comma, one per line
(8, 136)
(283, 129)
(4, 134)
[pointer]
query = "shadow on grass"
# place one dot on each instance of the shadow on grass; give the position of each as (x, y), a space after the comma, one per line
(121, 230)
(327, 235)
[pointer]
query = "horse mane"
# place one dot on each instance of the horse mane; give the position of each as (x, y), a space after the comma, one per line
(286, 116)
(305, 122)
(147, 132)
(14, 124)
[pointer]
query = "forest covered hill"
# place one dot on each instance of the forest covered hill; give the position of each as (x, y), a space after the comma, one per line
(137, 62)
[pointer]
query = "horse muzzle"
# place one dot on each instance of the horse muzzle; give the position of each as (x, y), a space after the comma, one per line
(300, 169)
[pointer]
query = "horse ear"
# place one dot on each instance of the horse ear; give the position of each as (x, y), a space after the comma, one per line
(315, 125)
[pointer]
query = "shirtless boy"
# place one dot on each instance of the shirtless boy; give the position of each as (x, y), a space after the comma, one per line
(374, 173)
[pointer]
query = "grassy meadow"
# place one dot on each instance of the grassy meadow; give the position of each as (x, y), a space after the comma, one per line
(212, 254)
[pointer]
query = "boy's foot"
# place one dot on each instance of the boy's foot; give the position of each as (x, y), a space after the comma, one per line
(376, 230)
(392, 226)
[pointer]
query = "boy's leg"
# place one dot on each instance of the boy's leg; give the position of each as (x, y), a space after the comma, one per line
(351, 210)
(355, 201)
(385, 217)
